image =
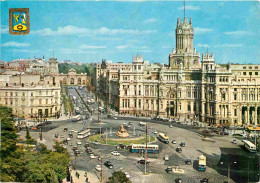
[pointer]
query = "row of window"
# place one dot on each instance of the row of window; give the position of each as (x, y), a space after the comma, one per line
(250, 73)
(31, 94)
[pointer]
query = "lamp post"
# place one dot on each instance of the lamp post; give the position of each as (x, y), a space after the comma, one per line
(222, 163)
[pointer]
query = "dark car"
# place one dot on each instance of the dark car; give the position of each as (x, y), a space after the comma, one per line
(188, 161)
(169, 169)
(142, 161)
(56, 135)
(182, 144)
(108, 164)
(178, 180)
(65, 129)
(71, 135)
(86, 145)
(204, 180)
(178, 149)
(130, 123)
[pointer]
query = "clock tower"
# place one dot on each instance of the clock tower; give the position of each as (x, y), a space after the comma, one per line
(184, 55)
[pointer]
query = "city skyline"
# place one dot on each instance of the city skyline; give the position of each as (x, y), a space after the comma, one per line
(228, 29)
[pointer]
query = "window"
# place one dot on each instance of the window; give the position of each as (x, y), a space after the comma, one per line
(31, 94)
(250, 73)
(256, 73)
(235, 112)
(46, 101)
(235, 96)
(235, 89)
(125, 92)
(223, 96)
(244, 73)
(6, 84)
(40, 101)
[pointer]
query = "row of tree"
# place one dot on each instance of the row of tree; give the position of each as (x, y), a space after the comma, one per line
(26, 163)
(84, 68)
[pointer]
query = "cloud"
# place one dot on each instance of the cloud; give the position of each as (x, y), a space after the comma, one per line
(238, 33)
(202, 45)
(189, 7)
(23, 51)
(121, 47)
(132, 48)
(91, 47)
(68, 50)
(15, 44)
(73, 30)
(4, 29)
(150, 20)
(229, 45)
(199, 30)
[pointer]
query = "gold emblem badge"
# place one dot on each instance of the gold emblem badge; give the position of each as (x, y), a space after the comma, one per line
(19, 21)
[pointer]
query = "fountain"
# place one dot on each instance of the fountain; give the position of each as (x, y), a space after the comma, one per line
(122, 132)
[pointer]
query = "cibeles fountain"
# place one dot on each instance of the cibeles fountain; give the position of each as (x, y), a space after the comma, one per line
(122, 132)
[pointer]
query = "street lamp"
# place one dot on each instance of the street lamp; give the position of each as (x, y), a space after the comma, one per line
(222, 163)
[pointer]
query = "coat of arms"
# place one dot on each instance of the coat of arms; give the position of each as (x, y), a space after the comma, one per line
(19, 21)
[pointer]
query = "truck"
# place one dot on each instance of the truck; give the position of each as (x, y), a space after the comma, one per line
(202, 163)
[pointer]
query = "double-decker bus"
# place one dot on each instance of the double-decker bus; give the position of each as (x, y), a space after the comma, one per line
(139, 148)
(202, 163)
(163, 138)
(249, 146)
(84, 133)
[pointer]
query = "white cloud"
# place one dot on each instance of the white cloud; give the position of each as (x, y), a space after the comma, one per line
(91, 47)
(71, 51)
(121, 47)
(23, 51)
(229, 45)
(238, 33)
(199, 30)
(189, 7)
(4, 29)
(150, 20)
(202, 45)
(15, 44)
(73, 30)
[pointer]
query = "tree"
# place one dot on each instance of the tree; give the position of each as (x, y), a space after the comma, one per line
(29, 139)
(118, 177)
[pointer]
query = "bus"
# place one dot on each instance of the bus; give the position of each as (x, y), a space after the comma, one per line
(202, 163)
(139, 148)
(76, 118)
(77, 110)
(163, 138)
(84, 133)
(249, 146)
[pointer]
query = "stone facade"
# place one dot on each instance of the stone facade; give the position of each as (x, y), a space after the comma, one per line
(72, 78)
(191, 87)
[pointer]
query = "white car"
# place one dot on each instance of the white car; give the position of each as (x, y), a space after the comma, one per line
(75, 131)
(115, 117)
(127, 175)
(115, 153)
(155, 132)
(170, 125)
(61, 136)
(79, 143)
(98, 168)
(68, 139)
(92, 156)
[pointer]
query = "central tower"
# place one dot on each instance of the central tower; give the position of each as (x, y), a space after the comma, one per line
(185, 56)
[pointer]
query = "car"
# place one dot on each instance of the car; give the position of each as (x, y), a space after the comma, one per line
(108, 164)
(174, 142)
(89, 151)
(115, 117)
(79, 143)
(169, 169)
(166, 157)
(76, 152)
(75, 131)
(178, 180)
(65, 129)
(178, 149)
(86, 145)
(170, 120)
(182, 144)
(188, 161)
(204, 180)
(70, 135)
(68, 139)
(127, 175)
(130, 123)
(71, 144)
(170, 125)
(96, 142)
(56, 135)
(115, 153)
(142, 161)
(155, 132)
(98, 168)
(61, 136)
(74, 148)
(234, 141)
(92, 156)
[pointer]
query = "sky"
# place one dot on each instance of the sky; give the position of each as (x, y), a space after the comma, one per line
(89, 31)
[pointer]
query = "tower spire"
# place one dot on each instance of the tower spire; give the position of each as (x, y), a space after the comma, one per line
(184, 10)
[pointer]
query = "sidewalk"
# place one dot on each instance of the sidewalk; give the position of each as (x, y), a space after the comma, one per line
(63, 115)
(92, 178)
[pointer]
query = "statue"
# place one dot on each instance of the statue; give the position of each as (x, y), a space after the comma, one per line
(122, 132)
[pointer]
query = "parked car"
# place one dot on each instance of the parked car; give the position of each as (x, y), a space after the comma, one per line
(169, 169)
(182, 144)
(178, 149)
(98, 168)
(115, 153)
(68, 139)
(56, 135)
(130, 123)
(127, 175)
(92, 156)
(170, 125)
(188, 161)
(108, 164)
(142, 161)
(166, 157)
(234, 141)
(61, 136)
(174, 142)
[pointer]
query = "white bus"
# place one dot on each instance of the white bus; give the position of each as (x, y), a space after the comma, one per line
(164, 138)
(84, 133)
(76, 118)
(137, 148)
(249, 146)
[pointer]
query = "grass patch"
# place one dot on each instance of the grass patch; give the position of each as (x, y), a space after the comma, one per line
(116, 142)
